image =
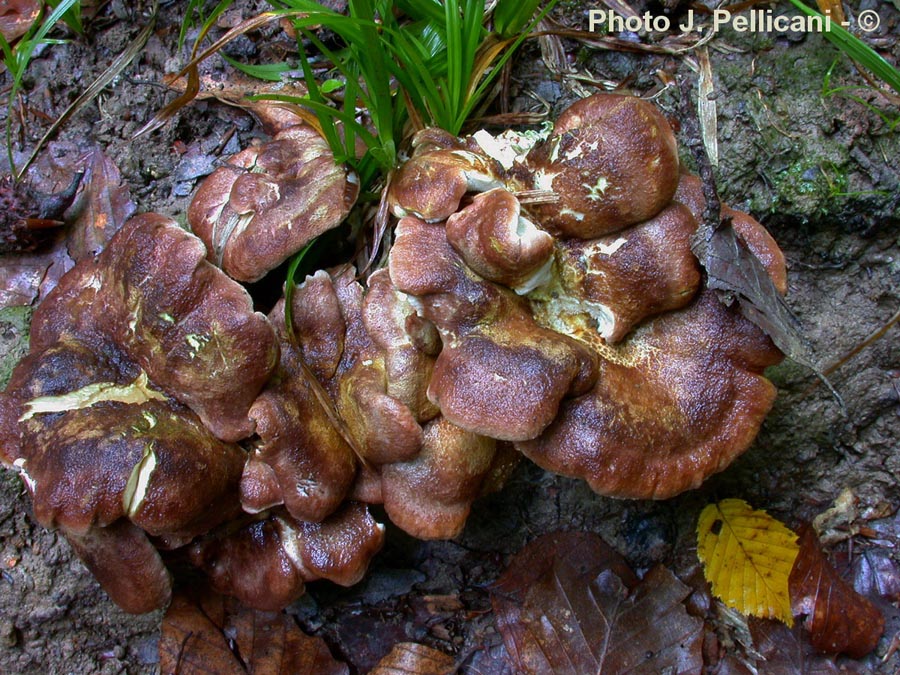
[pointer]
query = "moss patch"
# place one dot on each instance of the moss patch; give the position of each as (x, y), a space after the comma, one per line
(14, 327)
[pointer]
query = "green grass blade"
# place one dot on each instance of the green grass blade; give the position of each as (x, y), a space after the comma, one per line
(511, 16)
(270, 72)
(856, 49)
(488, 79)
(72, 16)
(422, 10)
(290, 285)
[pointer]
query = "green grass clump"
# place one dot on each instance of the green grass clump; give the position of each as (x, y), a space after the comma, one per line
(404, 63)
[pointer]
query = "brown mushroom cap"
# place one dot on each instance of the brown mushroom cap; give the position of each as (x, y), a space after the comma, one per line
(385, 428)
(432, 183)
(408, 342)
(311, 462)
(140, 358)
(126, 564)
(269, 201)
(622, 279)
(612, 160)
(677, 391)
(499, 243)
(675, 402)
(193, 330)
(499, 373)
(266, 563)
(430, 496)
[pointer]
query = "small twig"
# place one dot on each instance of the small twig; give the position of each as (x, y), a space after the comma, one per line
(874, 337)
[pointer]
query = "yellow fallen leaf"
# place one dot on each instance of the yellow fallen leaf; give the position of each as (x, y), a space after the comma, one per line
(747, 558)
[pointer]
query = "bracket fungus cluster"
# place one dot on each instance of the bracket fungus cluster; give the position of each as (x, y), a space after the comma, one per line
(158, 411)
(579, 328)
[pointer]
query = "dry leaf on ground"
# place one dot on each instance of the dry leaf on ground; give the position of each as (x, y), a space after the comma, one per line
(212, 634)
(561, 608)
(26, 277)
(787, 652)
(102, 206)
(732, 268)
(838, 619)
(16, 17)
(747, 558)
(409, 658)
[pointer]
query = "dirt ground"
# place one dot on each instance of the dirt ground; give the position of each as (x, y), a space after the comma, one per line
(820, 169)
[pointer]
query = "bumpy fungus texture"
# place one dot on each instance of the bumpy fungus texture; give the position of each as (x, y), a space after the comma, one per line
(268, 201)
(157, 410)
(144, 362)
(266, 563)
(347, 414)
(578, 327)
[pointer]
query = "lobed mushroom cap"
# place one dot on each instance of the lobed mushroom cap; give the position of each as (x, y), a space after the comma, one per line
(143, 365)
(499, 243)
(612, 160)
(409, 343)
(615, 366)
(623, 279)
(432, 183)
(310, 461)
(269, 201)
(430, 496)
(499, 373)
(126, 565)
(266, 563)
(676, 401)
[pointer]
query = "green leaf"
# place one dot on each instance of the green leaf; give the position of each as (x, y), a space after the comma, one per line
(856, 49)
(270, 72)
(511, 16)
(332, 85)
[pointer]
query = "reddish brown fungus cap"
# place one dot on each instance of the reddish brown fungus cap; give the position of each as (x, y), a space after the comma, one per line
(678, 400)
(269, 201)
(266, 563)
(612, 160)
(144, 362)
(430, 496)
(498, 241)
(441, 171)
(499, 374)
(622, 279)
(613, 365)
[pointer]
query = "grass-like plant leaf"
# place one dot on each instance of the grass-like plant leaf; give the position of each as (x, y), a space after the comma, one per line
(512, 16)
(271, 72)
(856, 49)
(17, 57)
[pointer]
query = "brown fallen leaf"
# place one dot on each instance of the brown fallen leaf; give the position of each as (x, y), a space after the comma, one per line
(213, 634)
(25, 278)
(838, 619)
(562, 608)
(409, 658)
(101, 208)
(785, 651)
(16, 17)
(876, 575)
(732, 268)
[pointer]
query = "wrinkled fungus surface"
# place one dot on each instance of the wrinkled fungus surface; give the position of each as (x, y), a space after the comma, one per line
(156, 410)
